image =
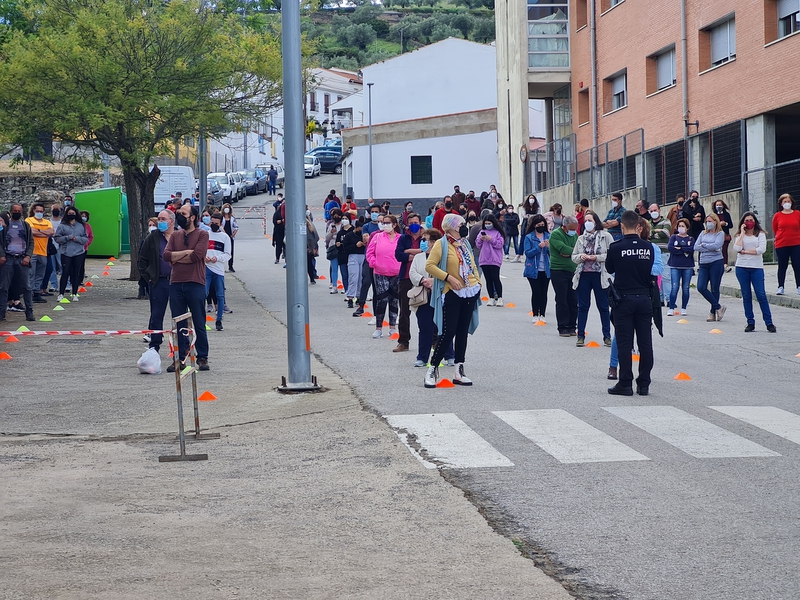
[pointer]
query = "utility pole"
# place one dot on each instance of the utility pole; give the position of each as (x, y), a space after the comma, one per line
(296, 232)
(201, 165)
(369, 95)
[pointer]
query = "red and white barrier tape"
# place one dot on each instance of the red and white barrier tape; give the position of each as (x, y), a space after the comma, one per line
(88, 332)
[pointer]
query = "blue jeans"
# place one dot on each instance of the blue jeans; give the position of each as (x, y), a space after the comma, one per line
(614, 360)
(38, 267)
(680, 278)
(191, 297)
(666, 280)
(590, 282)
(710, 273)
(754, 277)
(55, 261)
(334, 273)
(218, 281)
(271, 186)
(507, 244)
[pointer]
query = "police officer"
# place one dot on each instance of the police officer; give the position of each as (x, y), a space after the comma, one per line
(631, 260)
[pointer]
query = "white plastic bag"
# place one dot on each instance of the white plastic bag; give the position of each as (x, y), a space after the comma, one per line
(150, 362)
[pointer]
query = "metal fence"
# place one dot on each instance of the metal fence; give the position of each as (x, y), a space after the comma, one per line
(552, 164)
(614, 166)
(762, 188)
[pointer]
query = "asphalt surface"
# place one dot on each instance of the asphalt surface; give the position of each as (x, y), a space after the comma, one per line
(685, 500)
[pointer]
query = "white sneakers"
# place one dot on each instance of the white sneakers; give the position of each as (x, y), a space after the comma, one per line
(460, 378)
(377, 334)
(372, 321)
(683, 312)
(780, 291)
(670, 312)
(498, 302)
(59, 298)
(392, 331)
(490, 302)
(74, 297)
(431, 377)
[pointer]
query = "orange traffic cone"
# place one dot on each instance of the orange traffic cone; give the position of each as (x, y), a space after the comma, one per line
(206, 397)
(5, 356)
(445, 383)
(89, 284)
(593, 344)
(682, 377)
(11, 339)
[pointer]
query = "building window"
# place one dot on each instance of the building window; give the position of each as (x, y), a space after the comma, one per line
(788, 17)
(661, 70)
(188, 141)
(615, 92)
(327, 101)
(723, 42)
(548, 35)
(581, 13)
(421, 170)
(312, 102)
(608, 4)
(584, 109)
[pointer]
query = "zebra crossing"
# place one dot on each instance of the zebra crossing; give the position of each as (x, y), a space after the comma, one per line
(443, 440)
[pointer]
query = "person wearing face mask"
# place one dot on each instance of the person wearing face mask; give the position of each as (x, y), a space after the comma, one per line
(612, 220)
(750, 244)
(711, 267)
(332, 229)
(591, 276)
(217, 255)
(511, 228)
(85, 216)
(156, 271)
(72, 238)
(489, 243)
(455, 297)
(54, 258)
(368, 231)
(16, 249)
(407, 210)
(312, 250)
(562, 270)
(472, 203)
(431, 211)
(68, 201)
(786, 228)
(42, 231)
(475, 225)
(694, 212)
(681, 264)
(381, 256)
(676, 212)
(660, 231)
(459, 198)
(144, 285)
(408, 247)
(554, 218)
(205, 220)
(526, 210)
(447, 208)
(726, 222)
(231, 228)
(419, 276)
(186, 252)
(279, 231)
(353, 247)
(536, 247)
(343, 256)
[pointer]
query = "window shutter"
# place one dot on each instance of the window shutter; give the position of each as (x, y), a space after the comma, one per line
(787, 7)
(618, 84)
(665, 70)
(719, 43)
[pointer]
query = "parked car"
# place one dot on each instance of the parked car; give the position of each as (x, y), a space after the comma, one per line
(240, 187)
(230, 190)
(213, 188)
(330, 161)
(255, 181)
(279, 168)
(312, 166)
(319, 149)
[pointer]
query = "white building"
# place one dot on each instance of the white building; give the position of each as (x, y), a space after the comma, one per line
(434, 124)
(263, 142)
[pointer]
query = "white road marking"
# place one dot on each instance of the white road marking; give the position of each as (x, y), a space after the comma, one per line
(567, 438)
(688, 433)
(448, 440)
(775, 420)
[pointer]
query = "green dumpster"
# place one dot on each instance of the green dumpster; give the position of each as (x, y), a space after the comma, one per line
(106, 214)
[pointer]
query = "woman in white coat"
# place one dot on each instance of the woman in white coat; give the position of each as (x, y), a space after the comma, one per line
(591, 276)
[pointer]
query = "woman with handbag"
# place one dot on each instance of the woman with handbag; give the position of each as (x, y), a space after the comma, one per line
(419, 295)
(385, 269)
(455, 296)
(591, 276)
(536, 247)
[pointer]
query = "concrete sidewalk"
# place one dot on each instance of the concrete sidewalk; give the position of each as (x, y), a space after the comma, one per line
(730, 286)
(304, 496)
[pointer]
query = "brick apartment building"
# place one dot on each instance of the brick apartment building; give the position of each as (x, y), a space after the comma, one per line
(692, 94)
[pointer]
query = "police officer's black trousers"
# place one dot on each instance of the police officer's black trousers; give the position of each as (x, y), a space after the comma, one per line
(634, 314)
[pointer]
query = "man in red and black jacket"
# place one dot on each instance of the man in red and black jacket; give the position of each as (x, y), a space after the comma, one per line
(439, 214)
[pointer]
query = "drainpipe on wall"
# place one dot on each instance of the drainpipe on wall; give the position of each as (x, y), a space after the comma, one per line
(685, 91)
(593, 35)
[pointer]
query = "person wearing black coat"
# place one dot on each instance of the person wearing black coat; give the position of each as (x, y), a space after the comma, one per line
(693, 211)
(278, 233)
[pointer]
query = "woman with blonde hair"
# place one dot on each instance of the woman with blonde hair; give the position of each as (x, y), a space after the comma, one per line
(711, 264)
(455, 296)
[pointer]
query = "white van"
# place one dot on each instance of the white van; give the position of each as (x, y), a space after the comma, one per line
(173, 178)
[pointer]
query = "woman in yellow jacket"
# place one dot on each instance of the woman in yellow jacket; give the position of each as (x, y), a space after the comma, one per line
(455, 296)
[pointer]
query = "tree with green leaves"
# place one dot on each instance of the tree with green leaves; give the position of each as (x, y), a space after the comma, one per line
(126, 77)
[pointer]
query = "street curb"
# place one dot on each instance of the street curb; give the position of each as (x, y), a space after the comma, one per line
(774, 299)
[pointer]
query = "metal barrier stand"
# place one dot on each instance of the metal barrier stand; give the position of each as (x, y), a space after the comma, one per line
(182, 373)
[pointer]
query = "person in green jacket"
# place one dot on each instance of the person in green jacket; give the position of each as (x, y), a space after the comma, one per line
(562, 241)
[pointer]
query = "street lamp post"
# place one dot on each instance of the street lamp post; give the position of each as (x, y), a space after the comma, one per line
(369, 95)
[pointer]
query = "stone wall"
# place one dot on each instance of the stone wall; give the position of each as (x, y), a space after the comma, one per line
(48, 188)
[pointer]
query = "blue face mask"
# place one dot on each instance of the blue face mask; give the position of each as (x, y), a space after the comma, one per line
(374, 216)
(206, 220)
(572, 233)
(163, 226)
(423, 245)
(414, 228)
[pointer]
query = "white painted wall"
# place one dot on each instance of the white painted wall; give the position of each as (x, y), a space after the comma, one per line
(469, 161)
(447, 77)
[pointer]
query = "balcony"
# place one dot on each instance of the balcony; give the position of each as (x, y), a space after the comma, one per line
(548, 47)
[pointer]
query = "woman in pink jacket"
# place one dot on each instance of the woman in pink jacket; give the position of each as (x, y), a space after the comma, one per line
(386, 269)
(490, 243)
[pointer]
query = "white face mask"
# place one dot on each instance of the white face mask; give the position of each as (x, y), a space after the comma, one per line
(345, 222)
(152, 228)
(654, 214)
(681, 230)
(710, 226)
(614, 203)
(226, 210)
(589, 225)
(787, 206)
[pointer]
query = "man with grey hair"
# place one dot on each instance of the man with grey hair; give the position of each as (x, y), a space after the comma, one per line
(562, 269)
(157, 272)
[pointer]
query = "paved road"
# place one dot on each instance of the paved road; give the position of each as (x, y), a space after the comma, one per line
(688, 493)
